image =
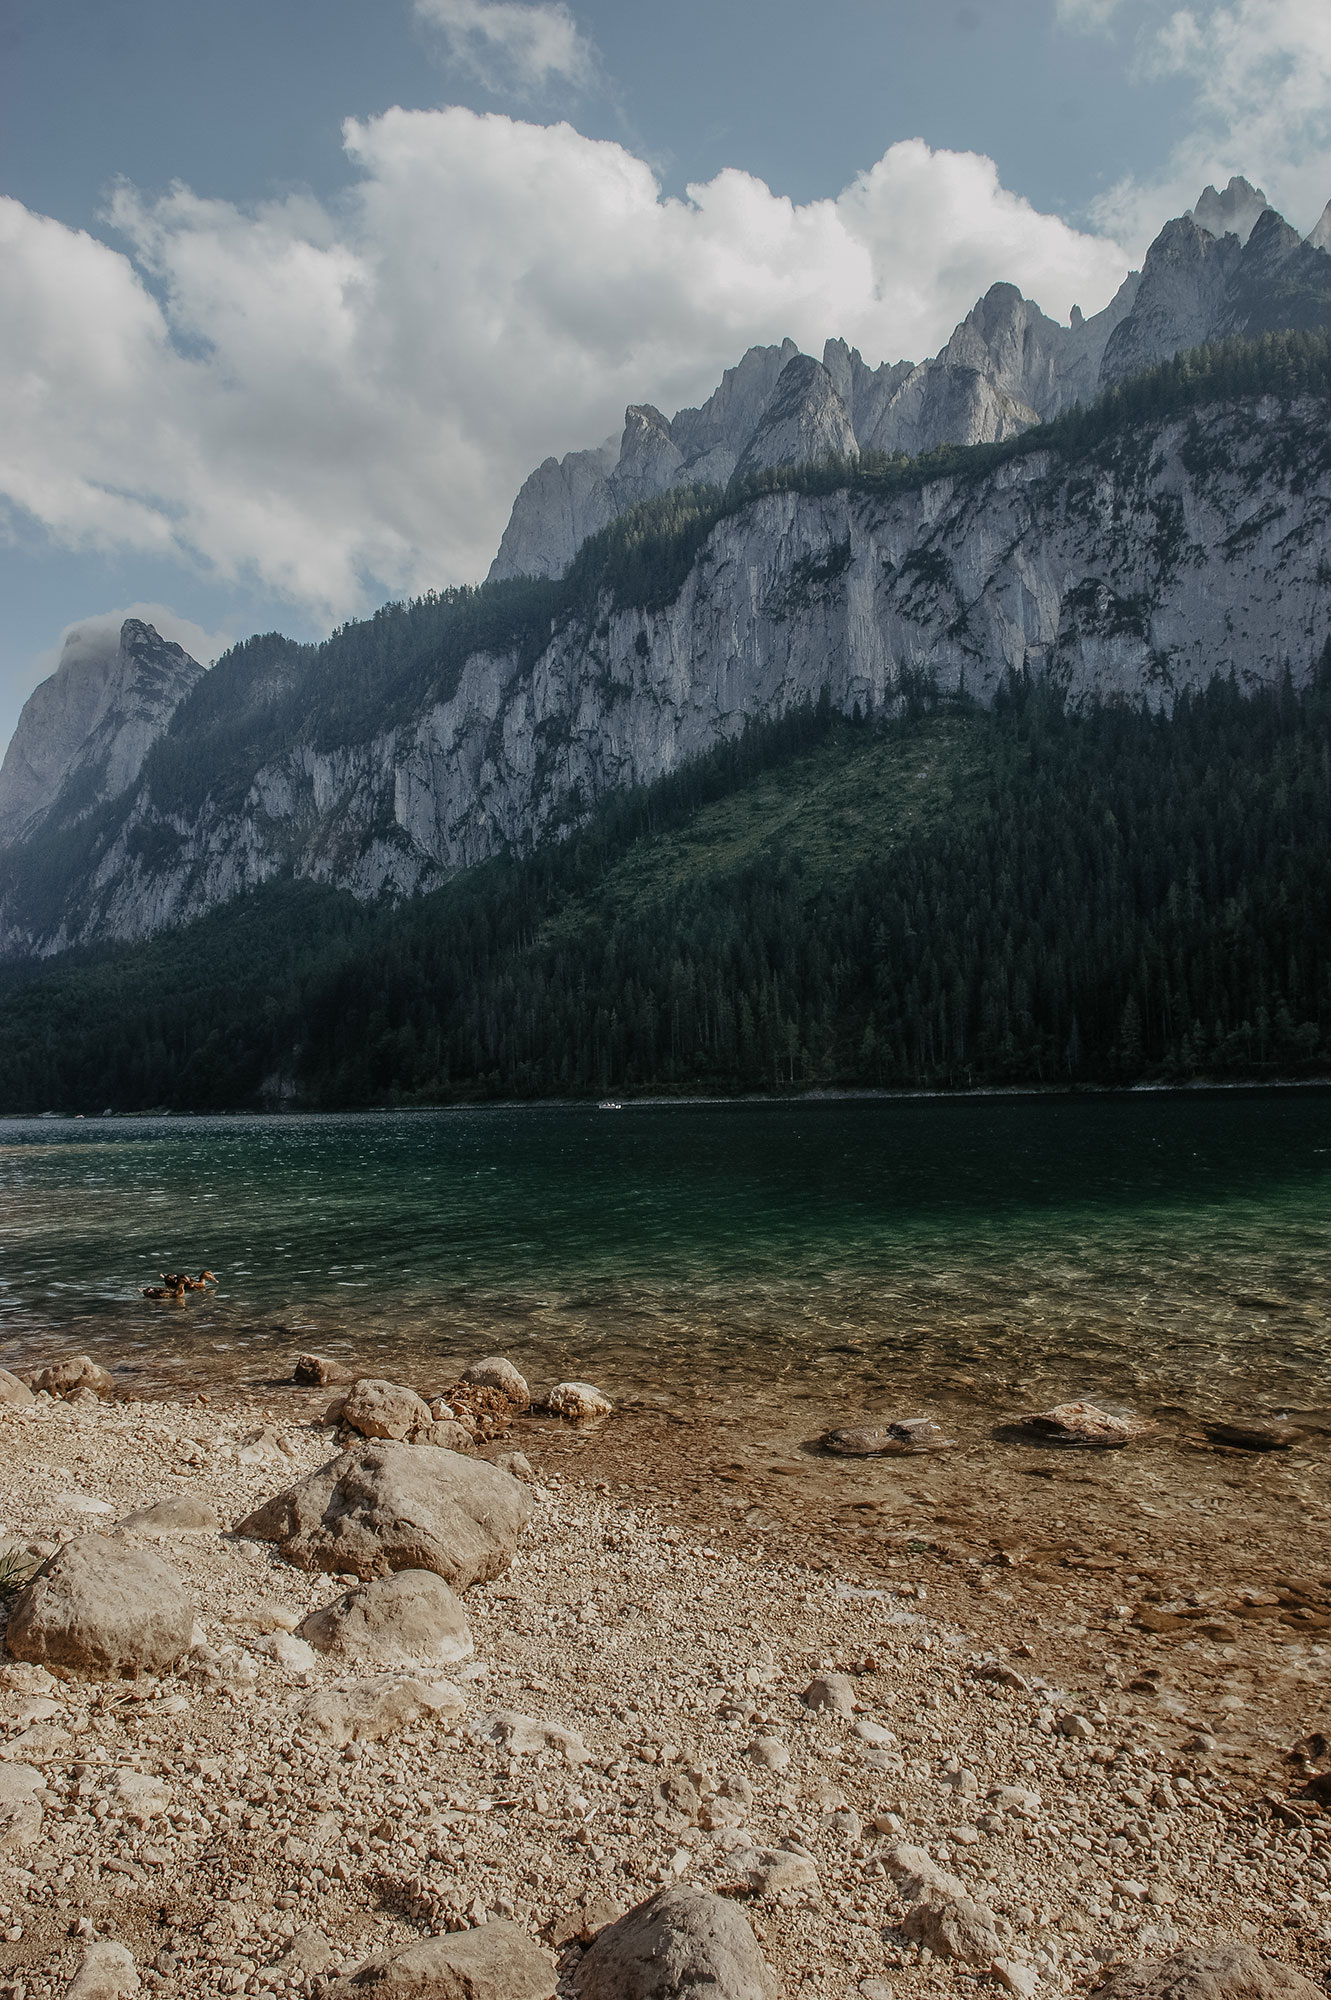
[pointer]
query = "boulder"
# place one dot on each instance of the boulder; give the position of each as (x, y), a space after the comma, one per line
(834, 1693)
(62, 1378)
(766, 1871)
(907, 1438)
(495, 1961)
(1083, 1423)
(180, 1514)
(379, 1409)
(315, 1371)
(1254, 1436)
(450, 1436)
(365, 1711)
(408, 1619)
(21, 1790)
(102, 1608)
(1222, 1971)
(527, 1736)
(681, 1944)
(518, 1466)
(497, 1372)
(579, 1401)
(939, 1912)
(17, 1394)
(108, 1972)
(394, 1506)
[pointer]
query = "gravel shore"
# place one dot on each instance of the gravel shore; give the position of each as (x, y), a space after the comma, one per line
(744, 1670)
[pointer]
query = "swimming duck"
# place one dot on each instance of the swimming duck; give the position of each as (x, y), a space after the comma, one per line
(201, 1283)
(163, 1291)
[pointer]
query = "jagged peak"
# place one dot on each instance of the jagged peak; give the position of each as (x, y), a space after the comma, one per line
(1319, 236)
(1233, 213)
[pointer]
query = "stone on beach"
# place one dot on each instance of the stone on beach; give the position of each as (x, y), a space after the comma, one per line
(66, 1378)
(904, 1438)
(103, 1609)
(366, 1711)
(1223, 1971)
(316, 1371)
(410, 1618)
(495, 1961)
(834, 1693)
(17, 1394)
(389, 1506)
(21, 1789)
(527, 1736)
(495, 1371)
(108, 1972)
(179, 1514)
(940, 1913)
(1254, 1435)
(1085, 1424)
(379, 1409)
(579, 1401)
(681, 1944)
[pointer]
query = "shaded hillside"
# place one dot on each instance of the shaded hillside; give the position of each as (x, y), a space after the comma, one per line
(953, 898)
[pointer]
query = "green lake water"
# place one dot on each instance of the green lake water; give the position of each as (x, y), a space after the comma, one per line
(892, 1255)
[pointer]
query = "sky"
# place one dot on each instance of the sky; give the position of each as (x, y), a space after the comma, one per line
(294, 293)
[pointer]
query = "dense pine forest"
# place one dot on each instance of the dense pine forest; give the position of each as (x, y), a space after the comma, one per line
(949, 899)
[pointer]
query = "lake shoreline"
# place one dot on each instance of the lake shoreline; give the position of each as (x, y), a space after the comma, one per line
(680, 1585)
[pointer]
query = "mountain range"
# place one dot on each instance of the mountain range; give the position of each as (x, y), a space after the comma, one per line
(1067, 503)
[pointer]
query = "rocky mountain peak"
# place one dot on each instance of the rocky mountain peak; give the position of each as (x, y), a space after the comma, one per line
(85, 731)
(805, 420)
(1233, 213)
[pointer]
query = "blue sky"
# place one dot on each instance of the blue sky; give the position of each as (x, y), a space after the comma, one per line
(260, 366)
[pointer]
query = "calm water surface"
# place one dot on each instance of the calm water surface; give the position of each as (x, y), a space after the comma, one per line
(1147, 1250)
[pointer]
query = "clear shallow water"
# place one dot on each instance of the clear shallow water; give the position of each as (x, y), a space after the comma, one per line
(1146, 1249)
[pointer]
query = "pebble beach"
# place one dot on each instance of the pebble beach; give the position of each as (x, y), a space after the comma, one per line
(1063, 1687)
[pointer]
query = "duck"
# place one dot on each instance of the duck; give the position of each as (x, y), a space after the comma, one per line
(201, 1283)
(163, 1291)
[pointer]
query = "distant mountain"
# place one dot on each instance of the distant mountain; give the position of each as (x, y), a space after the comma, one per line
(1230, 266)
(84, 733)
(1173, 534)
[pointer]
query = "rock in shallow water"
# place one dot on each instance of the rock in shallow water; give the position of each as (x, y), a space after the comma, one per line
(103, 1609)
(896, 1440)
(394, 1506)
(1085, 1424)
(579, 1401)
(1254, 1436)
(495, 1371)
(496, 1961)
(409, 1619)
(681, 1944)
(315, 1371)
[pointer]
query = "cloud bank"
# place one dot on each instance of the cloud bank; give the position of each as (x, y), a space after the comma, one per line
(1260, 74)
(338, 402)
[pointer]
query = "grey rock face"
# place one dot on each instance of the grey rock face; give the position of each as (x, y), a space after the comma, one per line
(1225, 1971)
(1146, 567)
(496, 1961)
(102, 1609)
(805, 421)
(681, 1944)
(398, 1506)
(84, 733)
(408, 1619)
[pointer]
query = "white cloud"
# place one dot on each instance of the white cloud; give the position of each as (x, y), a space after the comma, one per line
(89, 636)
(1261, 77)
(506, 43)
(338, 403)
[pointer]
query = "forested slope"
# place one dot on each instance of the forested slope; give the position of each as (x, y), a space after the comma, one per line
(957, 897)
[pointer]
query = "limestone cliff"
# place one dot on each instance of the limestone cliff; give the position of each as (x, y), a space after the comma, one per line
(85, 731)
(1143, 563)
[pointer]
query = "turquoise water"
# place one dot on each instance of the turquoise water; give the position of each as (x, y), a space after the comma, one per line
(1148, 1249)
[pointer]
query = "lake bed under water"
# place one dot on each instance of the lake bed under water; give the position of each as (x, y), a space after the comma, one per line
(1150, 1250)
